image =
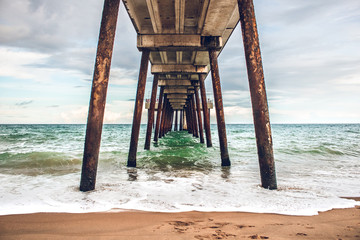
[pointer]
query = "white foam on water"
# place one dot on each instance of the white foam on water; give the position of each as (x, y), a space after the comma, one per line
(200, 192)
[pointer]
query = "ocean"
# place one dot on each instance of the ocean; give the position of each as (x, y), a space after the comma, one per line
(316, 164)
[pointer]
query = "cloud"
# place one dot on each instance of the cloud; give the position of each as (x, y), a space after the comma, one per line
(309, 52)
(23, 103)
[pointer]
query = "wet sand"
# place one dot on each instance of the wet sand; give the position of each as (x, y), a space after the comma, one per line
(335, 224)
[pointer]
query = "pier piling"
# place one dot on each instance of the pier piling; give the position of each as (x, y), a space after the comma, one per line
(98, 95)
(258, 94)
(151, 112)
(225, 160)
(176, 121)
(138, 108)
(205, 110)
(201, 133)
(158, 115)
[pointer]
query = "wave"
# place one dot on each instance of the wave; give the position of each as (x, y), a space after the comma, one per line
(35, 163)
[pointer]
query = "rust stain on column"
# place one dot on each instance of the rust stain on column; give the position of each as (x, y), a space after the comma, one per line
(205, 110)
(98, 95)
(220, 118)
(258, 94)
(138, 109)
(201, 133)
(152, 110)
(158, 115)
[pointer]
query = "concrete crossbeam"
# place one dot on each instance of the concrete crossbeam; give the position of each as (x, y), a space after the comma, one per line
(176, 90)
(177, 100)
(186, 42)
(178, 69)
(180, 96)
(175, 83)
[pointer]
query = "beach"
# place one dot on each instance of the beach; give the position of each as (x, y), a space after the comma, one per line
(334, 224)
(179, 190)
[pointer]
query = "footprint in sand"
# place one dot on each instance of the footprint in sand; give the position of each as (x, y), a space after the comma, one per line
(258, 237)
(217, 235)
(181, 226)
(219, 225)
(244, 226)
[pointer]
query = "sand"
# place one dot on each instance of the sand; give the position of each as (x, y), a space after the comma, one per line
(334, 224)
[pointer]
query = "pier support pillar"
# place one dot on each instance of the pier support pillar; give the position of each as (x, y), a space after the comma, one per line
(138, 108)
(220, 118)
(201, 133)
(163, 117)
(98, 95)
(258, 94)
(176, 121)
(181, 121)
(151, 112)
(205, 110)
(195, 122)
(158, 115)
(188, 120)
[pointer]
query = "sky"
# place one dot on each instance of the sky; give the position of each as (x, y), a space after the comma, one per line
(310, 51)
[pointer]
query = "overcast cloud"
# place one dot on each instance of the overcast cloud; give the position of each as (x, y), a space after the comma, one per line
(310, 53)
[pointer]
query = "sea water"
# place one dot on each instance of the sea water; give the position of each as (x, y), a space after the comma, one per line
(316, 165)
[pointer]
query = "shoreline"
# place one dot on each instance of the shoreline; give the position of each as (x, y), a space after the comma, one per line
(332, 224)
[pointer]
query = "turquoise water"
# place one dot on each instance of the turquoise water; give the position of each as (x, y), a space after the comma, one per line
(316, 165)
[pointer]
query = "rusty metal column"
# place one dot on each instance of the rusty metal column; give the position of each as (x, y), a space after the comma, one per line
(138, 108)
(152, 110)
(220, 118)
(195, 120)
(171, 120)
(205, 110)
(163, 116)
(201, 133)
(181, 120)
(188, 120)
(176, 120)
(98, 95)
(191, 117)
(258, 94)
(158, 115)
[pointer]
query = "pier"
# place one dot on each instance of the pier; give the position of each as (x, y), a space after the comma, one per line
(182, 41)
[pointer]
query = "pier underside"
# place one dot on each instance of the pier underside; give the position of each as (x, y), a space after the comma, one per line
(182, 41)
